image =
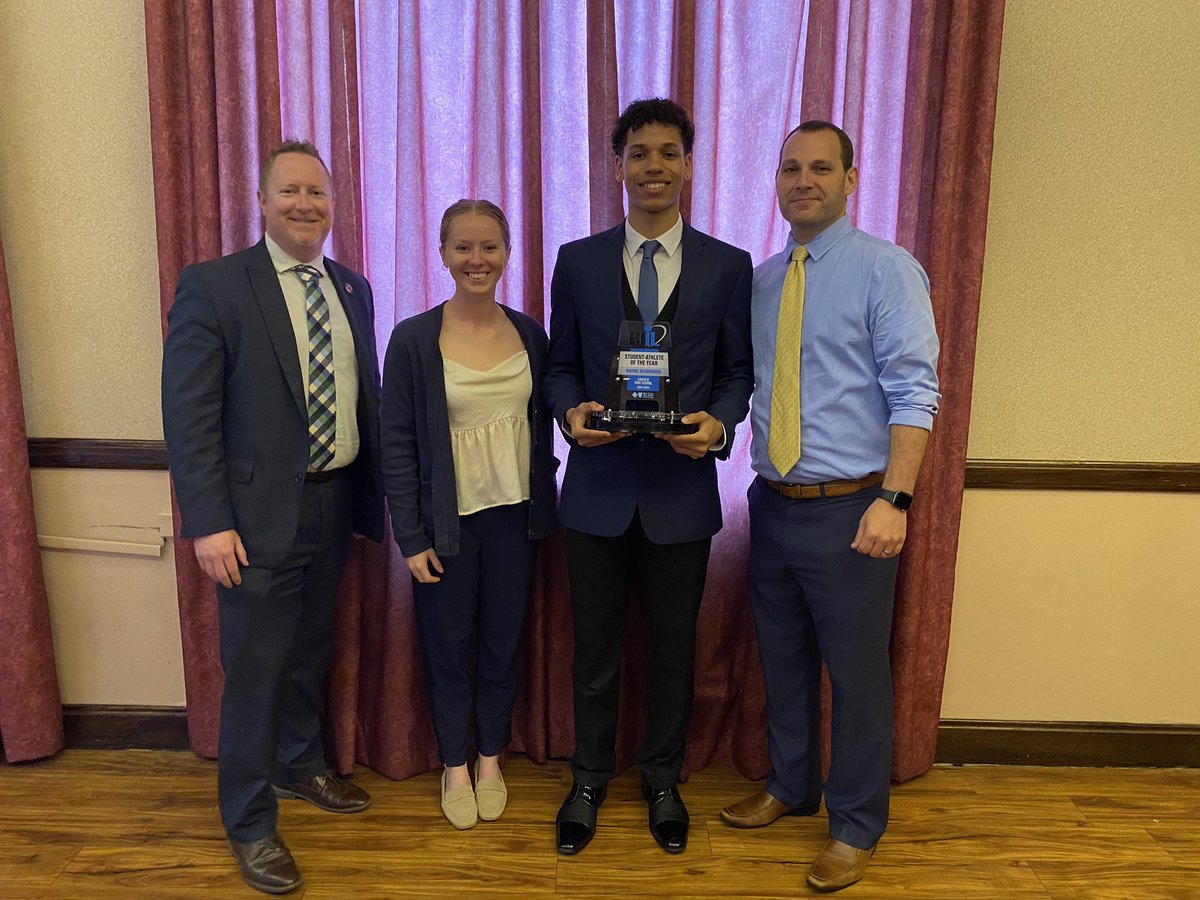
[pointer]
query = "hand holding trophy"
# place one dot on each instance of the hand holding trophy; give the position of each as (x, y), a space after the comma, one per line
(642, 396)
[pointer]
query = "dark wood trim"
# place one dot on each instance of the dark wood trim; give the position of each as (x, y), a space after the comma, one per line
(95, 453)
(962, 741)
(1006, 474)
(1049, 475)
(125, 727)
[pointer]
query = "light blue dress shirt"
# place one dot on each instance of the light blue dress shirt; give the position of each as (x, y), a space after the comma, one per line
(868, 353)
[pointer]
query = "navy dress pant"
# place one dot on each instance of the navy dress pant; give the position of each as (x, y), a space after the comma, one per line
(276, 637)
(815, 599)
(670, 581)
(479, 605)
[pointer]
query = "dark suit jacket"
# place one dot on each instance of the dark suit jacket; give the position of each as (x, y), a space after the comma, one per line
(418, 464)
(711, 363)
(234, 407)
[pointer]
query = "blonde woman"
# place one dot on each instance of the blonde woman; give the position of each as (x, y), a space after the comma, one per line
(468, 467)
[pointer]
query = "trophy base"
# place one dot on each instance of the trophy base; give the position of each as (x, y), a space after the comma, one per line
(640, 422)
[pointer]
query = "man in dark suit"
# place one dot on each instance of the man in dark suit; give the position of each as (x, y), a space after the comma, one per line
(640, 510)
(270, 411)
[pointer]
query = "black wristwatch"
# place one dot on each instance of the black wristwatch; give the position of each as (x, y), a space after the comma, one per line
(898, 499)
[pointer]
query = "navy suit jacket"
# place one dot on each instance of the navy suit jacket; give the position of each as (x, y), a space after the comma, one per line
(235, 412)
(711, 362)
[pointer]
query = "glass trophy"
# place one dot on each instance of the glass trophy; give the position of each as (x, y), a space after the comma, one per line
(642, 396)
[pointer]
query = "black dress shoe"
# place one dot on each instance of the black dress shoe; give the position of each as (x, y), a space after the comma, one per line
(327, 792)
(576, 821)
(266, 864)
(668, 817)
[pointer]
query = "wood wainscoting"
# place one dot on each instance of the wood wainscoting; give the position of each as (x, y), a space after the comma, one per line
(1010, 474)
(960, 741)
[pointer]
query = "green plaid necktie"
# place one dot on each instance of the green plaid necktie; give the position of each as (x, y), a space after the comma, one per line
(322, 393)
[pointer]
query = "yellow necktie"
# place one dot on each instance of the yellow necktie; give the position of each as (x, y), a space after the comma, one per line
(783, 442)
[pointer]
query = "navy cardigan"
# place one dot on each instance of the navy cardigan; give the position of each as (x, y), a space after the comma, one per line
(418, 464)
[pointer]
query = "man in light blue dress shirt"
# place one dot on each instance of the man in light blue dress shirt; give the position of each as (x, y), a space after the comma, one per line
(826, 534)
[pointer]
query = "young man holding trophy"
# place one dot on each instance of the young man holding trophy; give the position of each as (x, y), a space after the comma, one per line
(649, 371)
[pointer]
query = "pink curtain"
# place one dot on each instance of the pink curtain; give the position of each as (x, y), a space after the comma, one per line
(946, 162)
(214, 113)
(418, 104)
(31, 724)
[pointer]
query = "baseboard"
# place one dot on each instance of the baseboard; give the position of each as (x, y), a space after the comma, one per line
(960, 741)
(1088, 744)
(125, 727)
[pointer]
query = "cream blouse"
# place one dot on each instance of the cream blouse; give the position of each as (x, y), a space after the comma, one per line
(489, 432)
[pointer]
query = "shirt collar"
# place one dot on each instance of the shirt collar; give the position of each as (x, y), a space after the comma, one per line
(670, 239)
(283, 261)
(823, 242)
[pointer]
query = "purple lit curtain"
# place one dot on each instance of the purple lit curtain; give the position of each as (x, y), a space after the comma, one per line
(31, 724)
(417, 104)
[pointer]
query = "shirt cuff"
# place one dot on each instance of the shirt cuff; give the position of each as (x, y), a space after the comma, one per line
(915, 417)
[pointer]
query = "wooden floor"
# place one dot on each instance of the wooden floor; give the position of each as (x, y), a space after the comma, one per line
(144, 824)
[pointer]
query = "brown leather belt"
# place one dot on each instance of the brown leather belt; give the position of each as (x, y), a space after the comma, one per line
(825, 488)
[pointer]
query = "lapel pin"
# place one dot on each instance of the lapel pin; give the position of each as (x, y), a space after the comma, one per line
(349, 289)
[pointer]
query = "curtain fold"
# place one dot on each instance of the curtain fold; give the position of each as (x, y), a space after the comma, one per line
(31, 724)
(603, 106)
(214, 113)
(416, 105)
(952, 77)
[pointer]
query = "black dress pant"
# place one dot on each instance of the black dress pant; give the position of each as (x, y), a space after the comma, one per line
(670, 581)
(276, 637)
(479, 605)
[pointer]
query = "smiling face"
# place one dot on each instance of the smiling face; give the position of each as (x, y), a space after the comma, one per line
(654, 167)
(475, 254)
(812, 183)
(297, 205)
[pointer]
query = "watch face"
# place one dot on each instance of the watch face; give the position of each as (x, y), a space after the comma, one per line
(900, 500)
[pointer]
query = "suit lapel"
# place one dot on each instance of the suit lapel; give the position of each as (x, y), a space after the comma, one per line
(692, 277)
(264, 281)
(610, 272)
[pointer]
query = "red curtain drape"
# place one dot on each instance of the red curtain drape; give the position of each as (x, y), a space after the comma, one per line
(215, 108)
(214, 113)
(31, 724)
(954, 67)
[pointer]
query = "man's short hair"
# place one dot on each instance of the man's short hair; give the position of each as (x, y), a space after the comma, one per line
(821, 125)
(656, 110)
(291, 145)
(483, 208)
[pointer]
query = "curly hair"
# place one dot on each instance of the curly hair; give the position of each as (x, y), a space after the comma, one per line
(656, 110)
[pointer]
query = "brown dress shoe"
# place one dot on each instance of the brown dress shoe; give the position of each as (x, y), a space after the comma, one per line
(761, 809)
(267, 865)
(327, 792)
(837, 866)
